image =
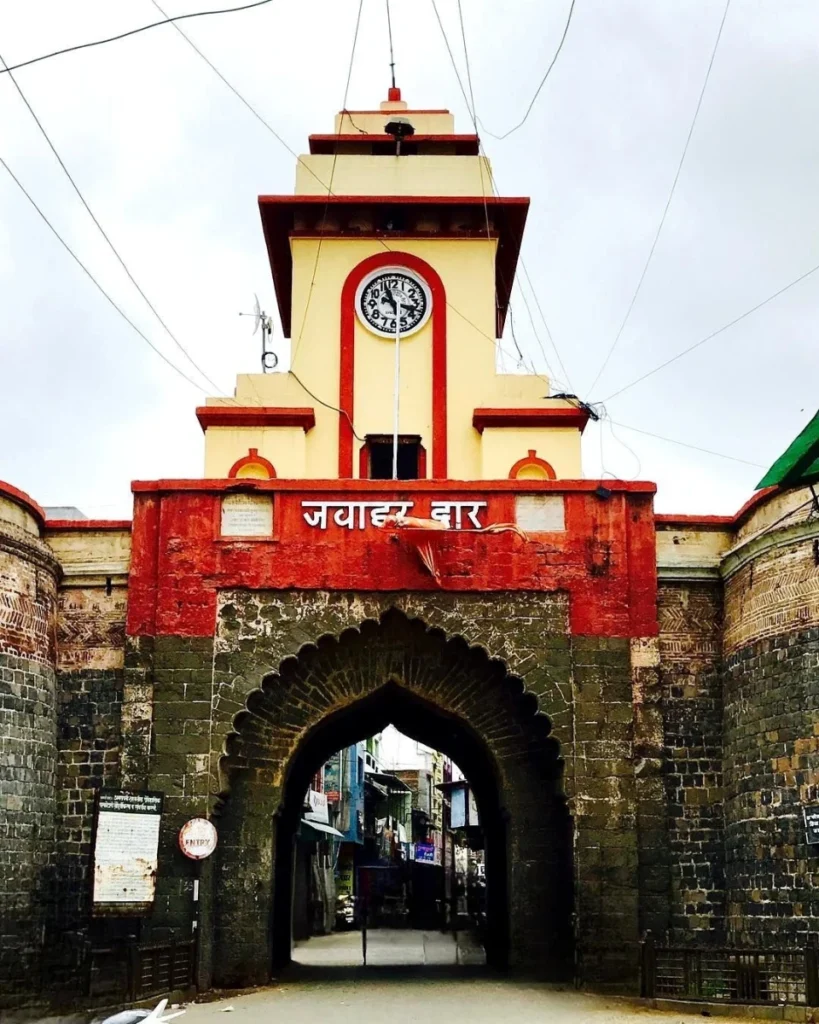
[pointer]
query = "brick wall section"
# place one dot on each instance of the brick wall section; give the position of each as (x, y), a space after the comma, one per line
(772, 745)
(28, 582)
(690, 653)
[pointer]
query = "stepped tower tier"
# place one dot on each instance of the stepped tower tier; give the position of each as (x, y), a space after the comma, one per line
(393, 211)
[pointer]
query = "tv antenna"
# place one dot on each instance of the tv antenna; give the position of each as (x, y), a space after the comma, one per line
(260, 319)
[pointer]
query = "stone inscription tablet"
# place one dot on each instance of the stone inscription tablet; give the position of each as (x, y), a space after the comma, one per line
(247, 515)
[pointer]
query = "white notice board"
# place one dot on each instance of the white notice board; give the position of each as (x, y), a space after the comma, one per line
(126, 847)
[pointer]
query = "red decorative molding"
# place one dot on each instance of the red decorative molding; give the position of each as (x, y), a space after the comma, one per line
(439, 362)
(464, 145)
(26, 501)
(254, 416)
(88, 524)
(281, 214)
(562, 417)
(387, 113)
(696, 522)
(717, 522)
(393, 487)
(531, 459)
(605, 559)
(252, 459)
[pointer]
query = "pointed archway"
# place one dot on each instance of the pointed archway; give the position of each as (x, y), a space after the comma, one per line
(436, 689)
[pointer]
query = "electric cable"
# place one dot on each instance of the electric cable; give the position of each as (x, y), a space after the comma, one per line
(105, 236)
(495, 191)
(94, 281)
(295, 347)
(327, 405)
(713, 334)
(132, 32)
(668, 202)
(684, 444)
(305, 165)
(473, 116)
(542, 81)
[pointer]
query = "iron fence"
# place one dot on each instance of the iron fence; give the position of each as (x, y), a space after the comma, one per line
(136, 971)
(730, 975)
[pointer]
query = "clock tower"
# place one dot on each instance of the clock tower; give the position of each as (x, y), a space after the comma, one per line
(393, 263)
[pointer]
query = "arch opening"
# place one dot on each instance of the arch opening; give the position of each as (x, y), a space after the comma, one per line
(439, 692)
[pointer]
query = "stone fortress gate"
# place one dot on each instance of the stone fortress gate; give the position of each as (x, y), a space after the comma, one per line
(633, 696)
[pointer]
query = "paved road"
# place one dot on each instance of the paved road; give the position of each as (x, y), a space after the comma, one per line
(389, 947)
(425, 997)
(437, 982)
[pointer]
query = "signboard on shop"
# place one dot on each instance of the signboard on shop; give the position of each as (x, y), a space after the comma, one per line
(428, 853)
(125, 851)
(318, 806)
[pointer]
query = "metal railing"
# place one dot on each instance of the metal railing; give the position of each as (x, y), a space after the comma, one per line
(730, 975)
(133, 971)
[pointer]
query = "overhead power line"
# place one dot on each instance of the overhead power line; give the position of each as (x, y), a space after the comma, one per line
(308, 168)
(493, 182)
(684, 444)
(713, 334)
(96, 283)
(131, 32)
(104, 234)
(329, 186)
(660, 226)
(542, 81)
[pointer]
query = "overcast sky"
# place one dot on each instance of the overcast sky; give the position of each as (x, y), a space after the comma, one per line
(172, 164)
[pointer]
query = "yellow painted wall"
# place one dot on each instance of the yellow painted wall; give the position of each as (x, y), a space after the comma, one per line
(357, 122)
(467, 268)
(365, 175)
(11, 512)
(285, 447)
(501, 447)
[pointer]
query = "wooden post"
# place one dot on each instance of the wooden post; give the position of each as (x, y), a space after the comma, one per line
(133, 971)
(812, 972)
(648, 967)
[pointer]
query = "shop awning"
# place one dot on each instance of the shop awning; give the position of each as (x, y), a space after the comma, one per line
(319, 826)
(392, 782)
(798, 466)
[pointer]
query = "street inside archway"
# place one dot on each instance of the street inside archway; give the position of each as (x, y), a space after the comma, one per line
(391, 947)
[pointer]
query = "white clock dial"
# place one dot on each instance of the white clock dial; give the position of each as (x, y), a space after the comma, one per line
(390, 296)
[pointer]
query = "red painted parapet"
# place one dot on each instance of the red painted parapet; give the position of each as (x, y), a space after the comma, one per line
(325, 535)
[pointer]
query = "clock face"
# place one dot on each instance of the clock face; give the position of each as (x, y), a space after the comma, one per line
(390, 297)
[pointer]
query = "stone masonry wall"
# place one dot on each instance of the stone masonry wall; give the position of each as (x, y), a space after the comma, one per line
(584, 685)
(690, 651)
(90, 657)
(772, 744)
(28, 579)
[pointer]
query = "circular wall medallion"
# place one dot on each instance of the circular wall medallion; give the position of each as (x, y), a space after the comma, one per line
(197, 838)
(390, 296)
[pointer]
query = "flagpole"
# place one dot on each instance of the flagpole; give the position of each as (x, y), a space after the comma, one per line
(397, 384)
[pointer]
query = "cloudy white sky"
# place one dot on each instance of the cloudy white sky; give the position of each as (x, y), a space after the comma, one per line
(172, 163)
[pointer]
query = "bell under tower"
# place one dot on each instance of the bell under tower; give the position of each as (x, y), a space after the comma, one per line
(393, 226)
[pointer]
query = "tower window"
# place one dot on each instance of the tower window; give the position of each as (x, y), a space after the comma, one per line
(376, 457)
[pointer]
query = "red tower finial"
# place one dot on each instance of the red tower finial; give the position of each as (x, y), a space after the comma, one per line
(393, 95)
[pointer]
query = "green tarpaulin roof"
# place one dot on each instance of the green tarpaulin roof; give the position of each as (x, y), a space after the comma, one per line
(799, 465)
